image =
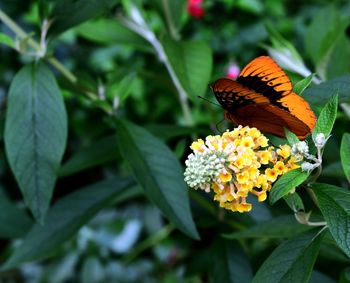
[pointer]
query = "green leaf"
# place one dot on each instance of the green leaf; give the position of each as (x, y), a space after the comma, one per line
(65, 218)
(279, 227)
(286, 183)
(335, 206)
(294, 202)
(6, 40)
(300, 86)
(333, 170)
(292, 261)
(322, 34)
(345, 154)
(319, 95)
(231, 264)
(122, 88)
(340, 53)
(69, 13)
(159, 172)
(110, 31)
(100, 152)
(317, 277)
(192, 63)
(326, 118)
(173, 11)
(35, 134)
(14, 222)
(291, 137)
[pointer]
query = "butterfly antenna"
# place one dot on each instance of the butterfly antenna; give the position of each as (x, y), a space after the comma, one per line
(207, 100)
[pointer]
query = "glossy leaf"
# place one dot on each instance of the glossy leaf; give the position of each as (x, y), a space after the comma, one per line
(321, 35)
(291, 137)
(65, 218)
(159, 173)
(295, 202)
(100, 152)
(6, 40)
(345, 154)
(292, 261)
(278, 227)
(14, 222)
(319, 95)
(326, 118)
(286, 183)
(300, 86)
(231, 264)
(69, 13)
(192, 63)
(35, 134)
(110, 31)
(335, 206)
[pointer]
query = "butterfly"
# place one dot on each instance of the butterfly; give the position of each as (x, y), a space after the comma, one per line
(263, 97)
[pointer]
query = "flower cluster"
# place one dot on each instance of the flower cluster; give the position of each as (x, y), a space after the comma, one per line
(236, 164)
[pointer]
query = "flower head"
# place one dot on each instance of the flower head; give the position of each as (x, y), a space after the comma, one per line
(236, 164)
(195, 8)
(232, 71)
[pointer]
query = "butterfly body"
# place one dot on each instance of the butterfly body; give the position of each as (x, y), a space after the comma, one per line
(262, 97)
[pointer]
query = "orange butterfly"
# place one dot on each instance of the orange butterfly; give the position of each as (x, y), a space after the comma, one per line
(263, 97)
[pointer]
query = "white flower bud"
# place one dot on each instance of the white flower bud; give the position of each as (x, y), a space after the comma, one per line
(320, 140)
(307, 166)
(300, 148)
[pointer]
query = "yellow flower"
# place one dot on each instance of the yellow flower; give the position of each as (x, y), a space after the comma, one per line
(243, 207)
(264, 156)
(225, 177)
(247, 142)
(271, 174)
(284, 151)
(254, 133)
(261, 195)
(291, 164)
(280, 167)
(242, 177)
(197, 144)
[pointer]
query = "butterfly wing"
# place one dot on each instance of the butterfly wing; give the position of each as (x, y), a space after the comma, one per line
(269, 119)
(233, 95)
(262, 97)
(264, 76)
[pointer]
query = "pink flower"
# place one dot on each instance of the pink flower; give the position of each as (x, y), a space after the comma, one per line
(195, 8)
(233, 71)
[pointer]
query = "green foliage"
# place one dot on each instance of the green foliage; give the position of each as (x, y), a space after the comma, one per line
(35, 135)
(326, 118)
(286, 184)
(302, 85)
(92, 92)
(334, 204)
(292, 261)
(64, 219)
(158, 171)
(345, 154)
(192, 63)
(278, 227)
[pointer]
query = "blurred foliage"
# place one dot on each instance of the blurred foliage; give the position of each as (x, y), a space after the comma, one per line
(114, 207)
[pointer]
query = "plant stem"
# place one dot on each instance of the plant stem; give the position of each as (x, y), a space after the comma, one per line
(20, 33)
(137, 24)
